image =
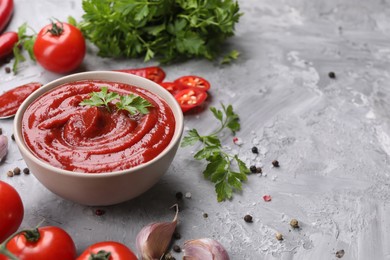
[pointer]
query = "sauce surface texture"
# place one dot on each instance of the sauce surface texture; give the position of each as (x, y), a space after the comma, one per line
(93, 139)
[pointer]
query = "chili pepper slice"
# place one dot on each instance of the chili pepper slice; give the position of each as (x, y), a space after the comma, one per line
(6, 10)
(154, 73)
(12, 99)
(193, 82)
(190, 97)
(7, 42)
(172, 87)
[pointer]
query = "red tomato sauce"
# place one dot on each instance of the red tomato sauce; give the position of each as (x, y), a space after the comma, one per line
(92, 139)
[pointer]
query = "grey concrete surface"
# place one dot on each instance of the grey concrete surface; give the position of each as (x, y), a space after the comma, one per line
(331, 137)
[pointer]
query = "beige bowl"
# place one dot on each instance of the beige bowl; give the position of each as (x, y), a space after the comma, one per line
(102, 188)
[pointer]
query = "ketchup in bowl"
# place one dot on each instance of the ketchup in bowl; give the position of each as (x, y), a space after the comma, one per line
(91, 139)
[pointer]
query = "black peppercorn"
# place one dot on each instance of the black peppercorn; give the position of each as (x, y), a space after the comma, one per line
(248, 218)
(179, 195)
(17, 171)
(176, 248)
(176, 235)
(1, 131)
(13, 137)
(253, 169)
(255, 150)
(275, 163)
(7, 70)
(332, 75)
(26, 171)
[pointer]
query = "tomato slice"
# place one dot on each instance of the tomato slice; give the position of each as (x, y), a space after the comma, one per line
(154, 73)
(193, 82)
(172, 87)
(190, 97)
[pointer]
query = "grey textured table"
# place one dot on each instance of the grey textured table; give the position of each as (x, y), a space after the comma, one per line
(331, 137)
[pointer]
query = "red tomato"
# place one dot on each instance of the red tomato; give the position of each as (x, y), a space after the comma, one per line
(6, 10)
(190, 97)
(154, 73)
(172, 87)
(193, 82)
(44, 243)
(11, 210)
(108, 250)
(7, 42)
(59, 47)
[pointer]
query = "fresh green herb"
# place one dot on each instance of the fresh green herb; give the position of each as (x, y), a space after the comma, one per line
(225, 170)
(25, 42)
(131, 103)
(164, 29)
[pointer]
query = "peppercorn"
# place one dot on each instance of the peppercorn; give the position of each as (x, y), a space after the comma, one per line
(10, 174)
(7, 70)
(176, 235)
(17, 171)
(332, 75)
(275, 163)
(13, 137)
(179, 195)
(1, 131)
(248, 218)
(176, 248)
(26, 171)
(340, 253)
(255, 150)
(294, 223)
(279, 236)
(253, 169)
(100, 212)
(205, 215)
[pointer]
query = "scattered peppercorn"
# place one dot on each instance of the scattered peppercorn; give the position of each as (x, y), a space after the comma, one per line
(17, 171)
(259, 170)
(176, 248)
(332, 75)
(100, 212)
(340, 253)
(179, 195)
(205, 215)
(10, 174)
(13, 137)
(253, 169)
(255, 150)
(1, 131)
(275, 163)
(26, 171)
(279, 236)
(248, 218)
(7, 70)
(294, 223)
(176, 235)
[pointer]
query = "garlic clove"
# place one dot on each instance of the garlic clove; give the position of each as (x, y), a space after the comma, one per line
(153, 240)
(204, 249)
(3, 147)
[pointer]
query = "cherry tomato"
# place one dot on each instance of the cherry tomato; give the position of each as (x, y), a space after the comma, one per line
(11, 210)
(154, 73)
(44, 243)
(190, 97)
(108, 250)
(7, 42)
(6, 10)
(172, 87)
(59, 47)
(12, 99)
(193, 82)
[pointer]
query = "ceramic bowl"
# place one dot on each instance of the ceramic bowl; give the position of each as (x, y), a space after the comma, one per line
(99, 189)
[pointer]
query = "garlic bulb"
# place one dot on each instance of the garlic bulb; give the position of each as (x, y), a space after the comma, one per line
(3, 147)
(153, 240)
(204, 249)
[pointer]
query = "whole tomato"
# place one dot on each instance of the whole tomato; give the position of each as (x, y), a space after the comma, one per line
(43, 243)
(107, 250)
(59, 47)
(11, 210)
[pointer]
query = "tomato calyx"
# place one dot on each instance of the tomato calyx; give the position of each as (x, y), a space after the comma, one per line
(57, 28)
(32, 235)
(100, 255)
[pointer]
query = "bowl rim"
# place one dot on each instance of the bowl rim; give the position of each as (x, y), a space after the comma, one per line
(99, 75)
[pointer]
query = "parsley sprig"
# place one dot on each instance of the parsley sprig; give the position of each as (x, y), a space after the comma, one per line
(225, 170)
(131, 103)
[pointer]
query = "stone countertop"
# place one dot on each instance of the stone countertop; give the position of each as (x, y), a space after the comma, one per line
(330, 135)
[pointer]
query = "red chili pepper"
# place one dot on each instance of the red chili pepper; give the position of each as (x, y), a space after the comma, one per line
(193, 82)
(155, 73)
(172, 87)
(190, 97)
(7, 43)
(6, 10)
(12, 99)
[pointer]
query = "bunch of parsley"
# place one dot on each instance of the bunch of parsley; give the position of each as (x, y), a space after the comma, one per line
(168, 30)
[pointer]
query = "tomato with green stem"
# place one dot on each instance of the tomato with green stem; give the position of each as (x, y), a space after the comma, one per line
(11, 210)
(190, 98)
(107, 250)
(193, 82)
(59, 47)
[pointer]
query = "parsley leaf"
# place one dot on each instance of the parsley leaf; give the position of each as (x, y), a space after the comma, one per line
(225, 170)
(131, 103)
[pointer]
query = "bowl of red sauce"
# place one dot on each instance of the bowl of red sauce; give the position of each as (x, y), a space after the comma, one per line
(99, 138)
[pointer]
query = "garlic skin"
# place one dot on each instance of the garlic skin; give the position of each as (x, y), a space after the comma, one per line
(153, 240)
(3, 147)
(204, 249)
